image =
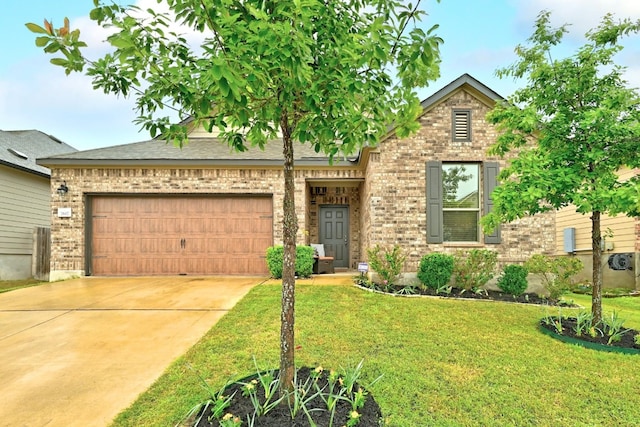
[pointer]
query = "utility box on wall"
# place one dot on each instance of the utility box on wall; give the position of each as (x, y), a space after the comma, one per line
(569, 240)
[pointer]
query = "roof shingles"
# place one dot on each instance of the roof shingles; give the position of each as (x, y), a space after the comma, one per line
(19, 149)
(198, 150)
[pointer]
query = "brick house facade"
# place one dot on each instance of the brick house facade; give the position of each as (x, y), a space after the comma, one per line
(396, 181)
(380, 197)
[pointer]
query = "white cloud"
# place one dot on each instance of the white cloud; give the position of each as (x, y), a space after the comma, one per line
(581, 14)
(35, 94)
(95, 36)
(38, 95)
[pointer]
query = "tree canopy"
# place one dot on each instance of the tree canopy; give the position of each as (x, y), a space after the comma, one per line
(334, 74)
(340, 71)
(573, 128)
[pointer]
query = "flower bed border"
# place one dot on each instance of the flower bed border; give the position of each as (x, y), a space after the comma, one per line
(459, 298)
(587, 344)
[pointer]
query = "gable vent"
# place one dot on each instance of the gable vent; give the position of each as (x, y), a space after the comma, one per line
(461, 125)
(17, 153)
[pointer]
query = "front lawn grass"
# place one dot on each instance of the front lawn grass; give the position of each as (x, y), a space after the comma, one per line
(445, 362)
(627, 307)
(12, 285)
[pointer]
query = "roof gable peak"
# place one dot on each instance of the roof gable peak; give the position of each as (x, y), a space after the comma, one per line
(478, 89)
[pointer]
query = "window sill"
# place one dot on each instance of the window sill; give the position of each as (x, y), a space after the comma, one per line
(463, 245)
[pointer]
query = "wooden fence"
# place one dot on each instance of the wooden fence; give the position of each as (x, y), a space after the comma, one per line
(40, 264)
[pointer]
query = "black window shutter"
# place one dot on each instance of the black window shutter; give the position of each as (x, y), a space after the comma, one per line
(434, 202)
(490, 178)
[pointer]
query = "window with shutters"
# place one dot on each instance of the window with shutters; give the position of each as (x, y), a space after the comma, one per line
(460, 202)
(461, 125)
(458, 194)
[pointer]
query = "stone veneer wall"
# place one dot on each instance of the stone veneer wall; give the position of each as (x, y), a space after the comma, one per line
(394, 194)
(68, 234)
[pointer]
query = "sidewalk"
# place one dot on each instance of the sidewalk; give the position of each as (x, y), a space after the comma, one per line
(339, 278)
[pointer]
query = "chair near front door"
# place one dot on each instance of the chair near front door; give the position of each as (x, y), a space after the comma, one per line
(334, 233)
(322, 264)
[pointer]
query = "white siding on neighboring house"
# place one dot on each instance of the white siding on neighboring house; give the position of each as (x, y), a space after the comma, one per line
(25, 204)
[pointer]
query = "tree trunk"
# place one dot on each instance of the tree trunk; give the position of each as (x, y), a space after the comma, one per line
(596, 248)
(290, 229)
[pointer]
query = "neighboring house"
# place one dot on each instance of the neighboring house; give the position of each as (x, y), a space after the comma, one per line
(621, 248)
(150, 208)
(25, 197)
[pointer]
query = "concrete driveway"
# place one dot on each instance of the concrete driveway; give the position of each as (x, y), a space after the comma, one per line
(76, 353)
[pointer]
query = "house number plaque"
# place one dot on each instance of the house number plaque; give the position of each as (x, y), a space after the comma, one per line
(64, 212)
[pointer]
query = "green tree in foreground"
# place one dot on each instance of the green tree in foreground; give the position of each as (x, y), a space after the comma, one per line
(586, 124)
(331, 74)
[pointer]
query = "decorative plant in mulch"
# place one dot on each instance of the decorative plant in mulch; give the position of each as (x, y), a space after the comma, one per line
(470, 271)
(455, 292)
(320, 398)
(609, 334)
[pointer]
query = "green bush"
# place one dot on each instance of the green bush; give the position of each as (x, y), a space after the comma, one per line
(513, 280)
(556, 272)
(473, 269)
(435, 270)
(387, 263)
(304, 261)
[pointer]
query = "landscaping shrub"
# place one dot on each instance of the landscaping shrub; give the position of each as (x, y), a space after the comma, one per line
(387, 263)
(556, 272)
(513, 280)
(435, 270)
(474, 268)
(304, 261)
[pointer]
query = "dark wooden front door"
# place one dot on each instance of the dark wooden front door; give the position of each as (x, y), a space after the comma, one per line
(334, 233)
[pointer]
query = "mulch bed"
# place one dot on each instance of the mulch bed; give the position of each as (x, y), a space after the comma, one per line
(241, 406)
(487, 295)
(627, 340)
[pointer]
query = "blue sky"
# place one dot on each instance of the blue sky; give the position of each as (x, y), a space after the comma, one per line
(479, 37)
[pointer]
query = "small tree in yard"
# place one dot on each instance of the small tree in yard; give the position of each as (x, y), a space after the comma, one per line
(331, 74)
(388, 263)
(586, 124)
(556, 272)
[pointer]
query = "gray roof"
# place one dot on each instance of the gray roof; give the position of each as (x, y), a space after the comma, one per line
(19, 149)
(203, 150)
(464, 79)
(200, 151)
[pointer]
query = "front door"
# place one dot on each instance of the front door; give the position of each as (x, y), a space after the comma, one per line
(334, 233)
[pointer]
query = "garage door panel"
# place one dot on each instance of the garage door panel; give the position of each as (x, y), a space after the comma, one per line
(217, 246)
(181, 235)
(126, 246)
(195, 225)
(261, 227)
(170, 265)
(125, 225)
(195, 246)
(102, 225)
(149, 245)
(102, 245)
(258, 244)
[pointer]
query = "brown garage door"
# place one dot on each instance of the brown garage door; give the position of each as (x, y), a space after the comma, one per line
(180, 235)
